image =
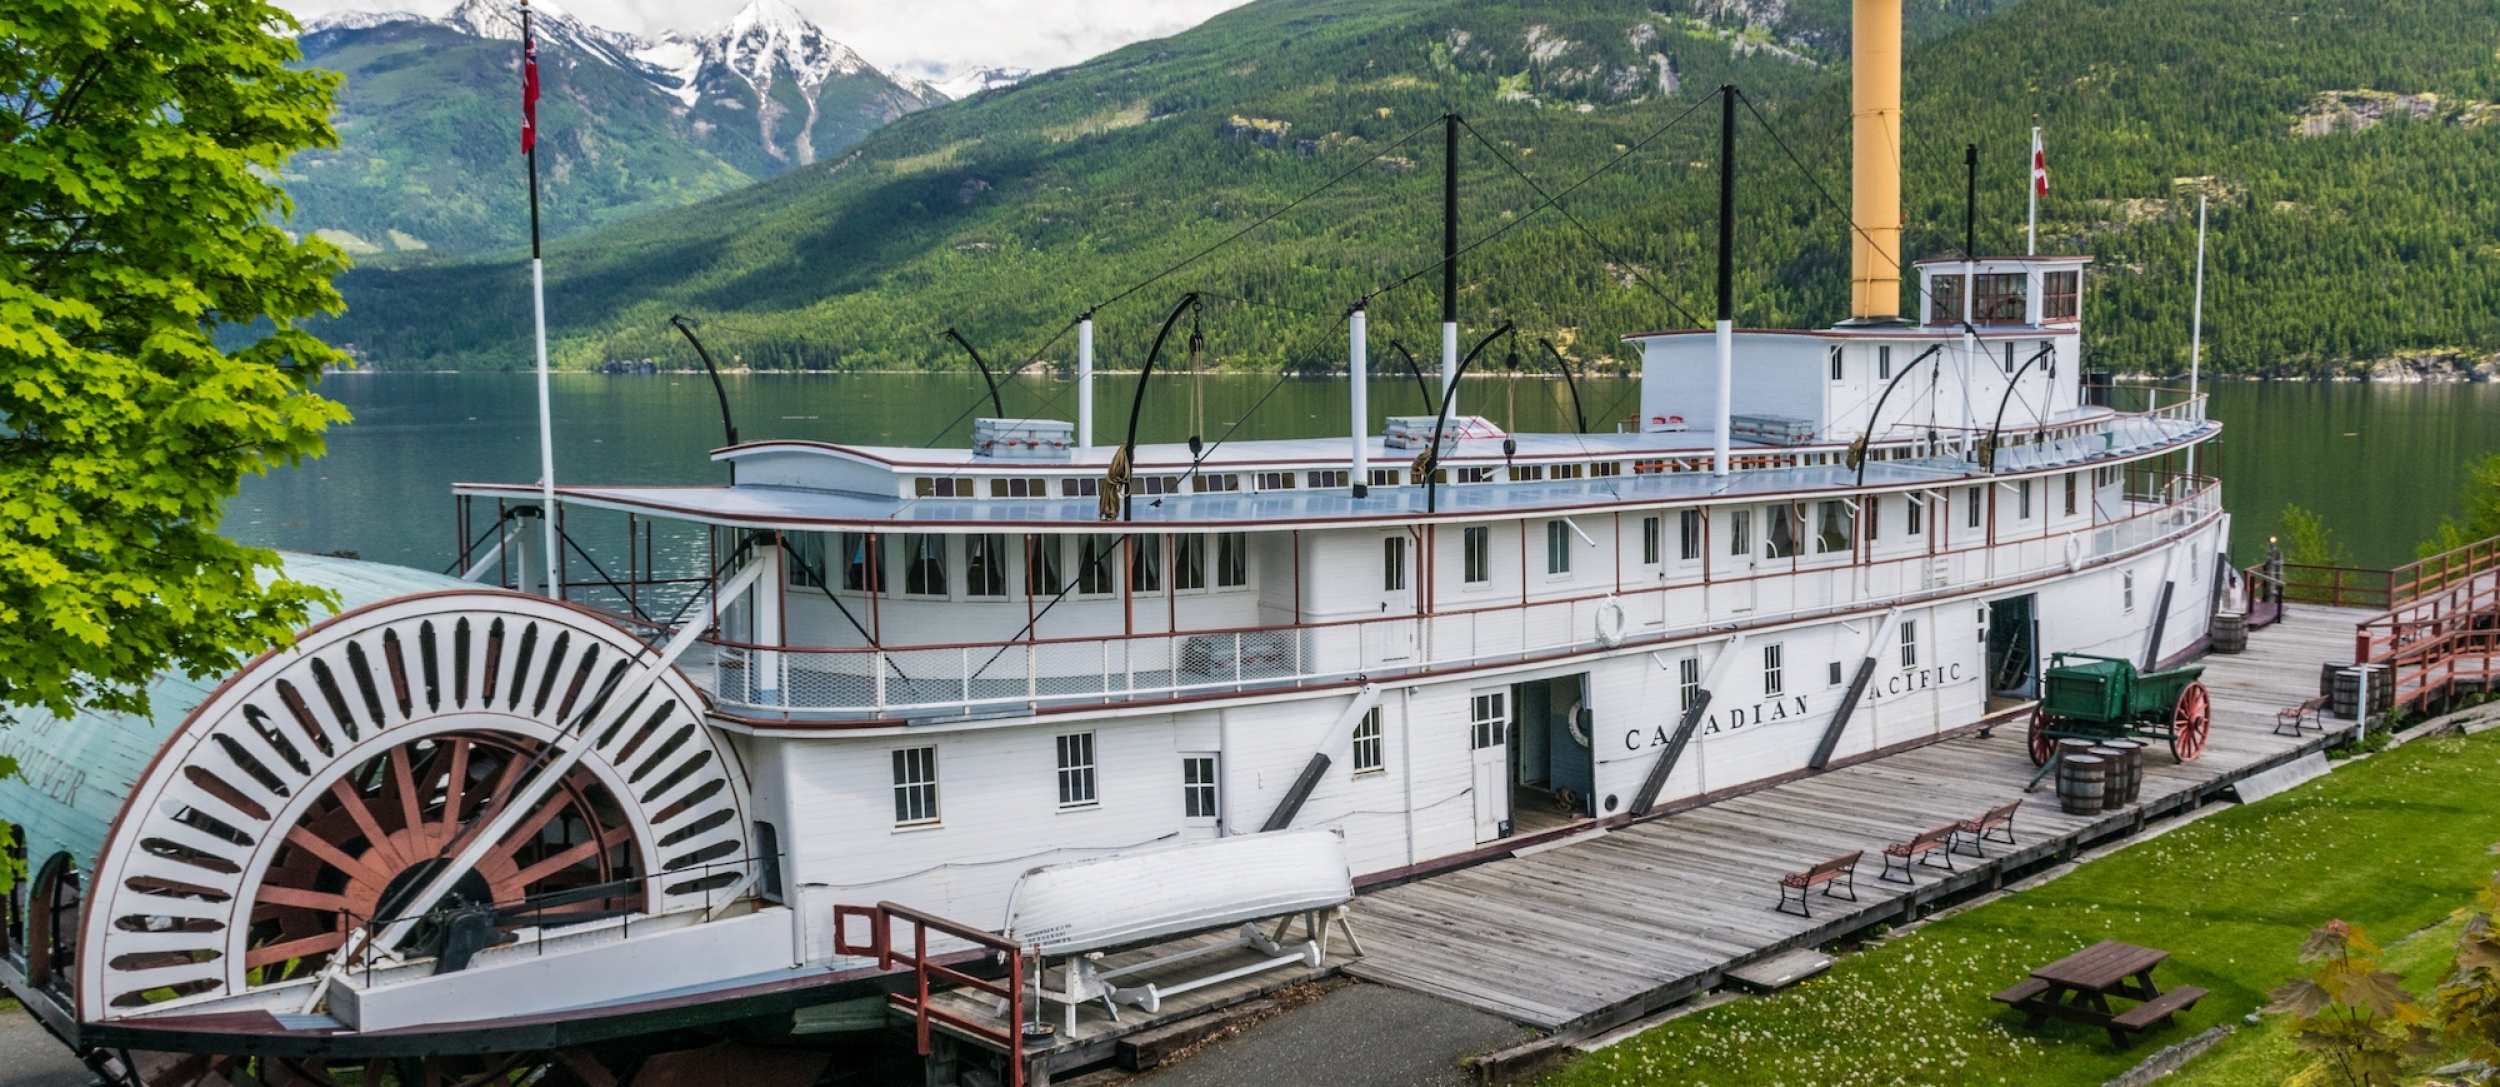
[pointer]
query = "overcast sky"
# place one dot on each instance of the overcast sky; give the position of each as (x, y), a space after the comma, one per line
(925, 38)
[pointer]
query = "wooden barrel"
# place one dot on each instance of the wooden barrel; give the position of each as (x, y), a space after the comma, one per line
(2135, 767)
(2230, 633)
(2122, 761)
(2081, 784)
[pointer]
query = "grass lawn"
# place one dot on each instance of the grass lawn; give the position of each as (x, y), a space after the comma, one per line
(2396, 843)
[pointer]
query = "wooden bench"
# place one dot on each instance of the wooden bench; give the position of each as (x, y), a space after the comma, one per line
(2308, 714)
(2022, 991)
(2151, 1013)
(1920, 850)
(1998, 820)
(1837, 874)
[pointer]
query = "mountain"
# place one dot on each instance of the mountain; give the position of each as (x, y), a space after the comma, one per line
(972, 81)
(2346, 220)
(429, 121)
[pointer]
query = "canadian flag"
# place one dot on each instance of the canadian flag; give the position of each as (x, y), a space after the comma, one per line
(529, 85)
(2039, 165)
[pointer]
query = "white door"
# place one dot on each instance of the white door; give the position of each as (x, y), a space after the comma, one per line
(1202, 800)
(1397, 600)
(1489, 734)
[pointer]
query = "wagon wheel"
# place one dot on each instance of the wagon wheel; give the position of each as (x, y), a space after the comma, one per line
(2043, 745)
(2191, 723)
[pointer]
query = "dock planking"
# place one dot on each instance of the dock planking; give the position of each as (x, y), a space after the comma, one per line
(1601, 931)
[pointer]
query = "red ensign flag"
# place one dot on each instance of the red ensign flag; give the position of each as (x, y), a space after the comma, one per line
(529, 88)
(2039, 166)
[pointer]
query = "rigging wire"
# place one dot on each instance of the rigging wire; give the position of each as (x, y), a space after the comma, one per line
(1900, 266)
(1584, 228)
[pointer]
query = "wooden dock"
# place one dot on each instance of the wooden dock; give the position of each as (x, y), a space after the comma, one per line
(1578, 938)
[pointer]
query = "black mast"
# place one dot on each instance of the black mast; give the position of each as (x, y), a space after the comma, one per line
(1970, 202)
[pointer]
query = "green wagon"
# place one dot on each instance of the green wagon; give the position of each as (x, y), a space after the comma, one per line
(2105, 698)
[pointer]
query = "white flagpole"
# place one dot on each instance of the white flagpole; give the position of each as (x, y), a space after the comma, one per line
(2196, 325)
(538, 301)
(2031, 247)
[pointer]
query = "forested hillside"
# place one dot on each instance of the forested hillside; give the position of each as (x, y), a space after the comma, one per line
(1008, 214)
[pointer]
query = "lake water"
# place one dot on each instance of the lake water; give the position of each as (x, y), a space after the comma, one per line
(2382, 463)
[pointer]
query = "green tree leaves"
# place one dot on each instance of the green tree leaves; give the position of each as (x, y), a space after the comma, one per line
(137, 139)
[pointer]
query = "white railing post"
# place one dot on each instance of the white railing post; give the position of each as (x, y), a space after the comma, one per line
(966, 655)
(877, 659)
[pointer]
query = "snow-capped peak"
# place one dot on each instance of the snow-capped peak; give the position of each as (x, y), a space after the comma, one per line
(500, 20)
(768, 34)
(972, 81)
(359, 20)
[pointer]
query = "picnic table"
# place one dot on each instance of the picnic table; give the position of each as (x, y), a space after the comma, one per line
(2077, 988)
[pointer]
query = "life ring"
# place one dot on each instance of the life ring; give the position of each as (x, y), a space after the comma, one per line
(1578, 723)
(2074, 552)
(1610, 623)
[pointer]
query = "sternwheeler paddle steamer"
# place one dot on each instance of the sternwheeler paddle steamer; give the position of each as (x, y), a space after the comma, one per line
(1060, 689)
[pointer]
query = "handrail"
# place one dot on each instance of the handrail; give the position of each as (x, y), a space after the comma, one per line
(925, 968)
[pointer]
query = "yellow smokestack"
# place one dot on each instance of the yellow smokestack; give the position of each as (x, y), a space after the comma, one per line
(1875, 173)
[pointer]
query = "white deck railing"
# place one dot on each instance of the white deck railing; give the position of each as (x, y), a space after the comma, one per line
(994, 677)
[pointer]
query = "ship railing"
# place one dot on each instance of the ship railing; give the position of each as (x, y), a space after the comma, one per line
(971, 680)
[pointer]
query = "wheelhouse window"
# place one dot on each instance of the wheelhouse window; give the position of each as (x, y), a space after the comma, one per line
(1944, 300)
(1076, 770)
(1835, 527)
(2001, 299)
(985, 564)
(1653, 540)
(1189, 560)
(915, 786)
(1367, 743)
(860, 571)
(1774, 671)
(1145, 564)
(2061, 296)
(1393, 564)
(1557, 548)
(1044, 571)
(1688, 535)
(1232, 560)
(806, 555)
(1098, 557)
(924, 564)
(1779, 536)
(1477, 552)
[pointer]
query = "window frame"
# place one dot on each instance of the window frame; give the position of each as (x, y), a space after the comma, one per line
(915, 770)
(1653, 540)
(1393, 577)
(1368, 749)
(985, 565)
(1475, 556)
(1909, 644)
(920, 556)
(1774, 670)
(1078, 770)
(1690, 528)
(1557, 549)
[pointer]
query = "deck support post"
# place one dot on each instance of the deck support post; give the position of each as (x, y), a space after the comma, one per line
(1857, 690)
(1656, 782)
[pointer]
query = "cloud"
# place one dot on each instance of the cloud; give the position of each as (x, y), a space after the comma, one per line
(926, 38)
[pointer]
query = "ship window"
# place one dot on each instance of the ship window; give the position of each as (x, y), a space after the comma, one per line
(1476, 475)
(924, 564)
(1327, 478)
(1367, 743)
(1835, 527)
(1087, 487)
(1557, 548)
(1739, 533)
(1831, 674)
(1020, 488)
(1602, 468)
(1944, 300)
(1045, 572)
(860, 571)
(915, 786)
(942, 487)
(1478, 549)
(2022, 500)
(1883, 363)
(985, 564)
(1917, 514)
(1275, 481)
(1874, 505)
(1198, 787)
(1999, 300)
(2070, 493)
(2061, 295)
(1145, 564)
(1097, 557)
(806, 558)
(2009, 356)
(1232, 560)
(1393, 564)
(1909, 643)
(1076, 770)
(1688, 531)
(2126, 591)
(1520, 473)
(1223, 482)
(1189, 560)
(1779, 531)
(1687, 683)
(1837, 371)
(1774, 673)
(1974, 507)
(1653, 533)
(1384, 477)
(1486, 717)
(1568, 471)
(1158, 484)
